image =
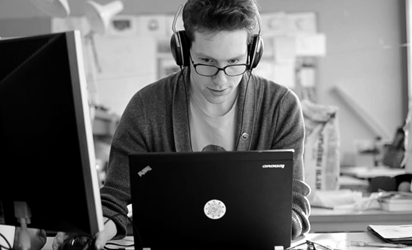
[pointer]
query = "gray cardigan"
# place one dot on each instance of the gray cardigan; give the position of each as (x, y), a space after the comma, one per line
(157, 120)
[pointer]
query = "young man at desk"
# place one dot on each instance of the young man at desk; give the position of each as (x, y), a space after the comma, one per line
(213, 103)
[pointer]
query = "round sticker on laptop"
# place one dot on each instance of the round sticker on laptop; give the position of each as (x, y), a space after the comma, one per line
(215, 209)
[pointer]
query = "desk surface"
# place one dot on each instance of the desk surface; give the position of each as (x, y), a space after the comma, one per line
(340, 220)
(368, 172)
(341, 241)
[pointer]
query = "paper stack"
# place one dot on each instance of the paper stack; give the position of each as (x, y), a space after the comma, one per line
(396, 201)
(398, 234)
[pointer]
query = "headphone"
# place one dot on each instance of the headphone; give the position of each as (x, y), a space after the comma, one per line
(179, 45)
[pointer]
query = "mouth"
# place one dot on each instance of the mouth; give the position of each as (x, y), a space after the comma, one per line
(218, 91)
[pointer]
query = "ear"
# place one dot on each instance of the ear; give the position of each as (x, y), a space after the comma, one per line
(255, 51)
(179, 46)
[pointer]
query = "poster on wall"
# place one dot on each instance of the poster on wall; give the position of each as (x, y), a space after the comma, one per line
(274, 24)
(288, 39)
(72, 23)
(123, 25)
(311, 44)
(305, 22)
(152, 25)
(117, 64)
(127, 63)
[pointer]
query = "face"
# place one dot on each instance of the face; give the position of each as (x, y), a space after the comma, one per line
(219, 49)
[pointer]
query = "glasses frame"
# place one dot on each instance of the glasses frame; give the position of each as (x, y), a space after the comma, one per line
(218, 68)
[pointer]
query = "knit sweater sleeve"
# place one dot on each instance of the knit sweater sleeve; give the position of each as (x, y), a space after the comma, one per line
(290, 133)
(128, 138)
(300, 209)
(143, 127)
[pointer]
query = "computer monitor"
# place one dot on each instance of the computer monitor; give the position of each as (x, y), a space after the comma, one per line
(47, 158)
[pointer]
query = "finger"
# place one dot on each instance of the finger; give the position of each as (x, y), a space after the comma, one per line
(101, 240)
(58, 240)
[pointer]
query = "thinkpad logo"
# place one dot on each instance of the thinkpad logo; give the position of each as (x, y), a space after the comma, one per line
(144, 171)
(273, 166)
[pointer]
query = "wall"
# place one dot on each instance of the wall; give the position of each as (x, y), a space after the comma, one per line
(365, 53)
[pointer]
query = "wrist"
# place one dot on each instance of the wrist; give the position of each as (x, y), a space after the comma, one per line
(110, 228)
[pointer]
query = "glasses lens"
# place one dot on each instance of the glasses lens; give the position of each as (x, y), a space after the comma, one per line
(235, 70)
(205, 70)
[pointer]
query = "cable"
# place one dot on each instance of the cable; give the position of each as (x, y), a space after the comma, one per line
(187, 98)
(120, 245)
(8, 243)
(3, 247)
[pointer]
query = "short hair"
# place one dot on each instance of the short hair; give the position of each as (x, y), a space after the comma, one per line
(220, 15)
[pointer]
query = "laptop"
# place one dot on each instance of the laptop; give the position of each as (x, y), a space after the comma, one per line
(212, 200)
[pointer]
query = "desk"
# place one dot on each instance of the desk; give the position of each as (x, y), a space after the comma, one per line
(325, 220)
(364, 172)
(343, 240)
(339, 241)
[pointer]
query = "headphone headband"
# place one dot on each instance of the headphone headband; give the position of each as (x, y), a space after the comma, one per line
(179, 45)
(175, 18)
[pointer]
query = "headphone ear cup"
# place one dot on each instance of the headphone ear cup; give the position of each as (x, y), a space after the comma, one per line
(255, 51)
(179, 47)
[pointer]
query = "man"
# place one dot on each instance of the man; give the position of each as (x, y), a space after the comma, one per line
(213, 103)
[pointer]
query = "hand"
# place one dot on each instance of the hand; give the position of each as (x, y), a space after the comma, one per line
(60, 238)
(37, 238)
(101, 238)
(107, 234)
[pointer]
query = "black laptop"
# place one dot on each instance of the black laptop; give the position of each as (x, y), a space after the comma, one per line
(212, 200)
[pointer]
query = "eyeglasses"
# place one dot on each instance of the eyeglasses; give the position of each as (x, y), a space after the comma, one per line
(211, 70)
(310, 246)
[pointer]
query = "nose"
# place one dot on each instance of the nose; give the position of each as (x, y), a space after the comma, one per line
(220, 79)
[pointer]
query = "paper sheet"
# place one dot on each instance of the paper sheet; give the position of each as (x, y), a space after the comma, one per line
(8, 232)
(336, 198)
(311, 45)
(393, 231)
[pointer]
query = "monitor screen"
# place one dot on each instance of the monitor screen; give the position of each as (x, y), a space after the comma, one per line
(47, 156)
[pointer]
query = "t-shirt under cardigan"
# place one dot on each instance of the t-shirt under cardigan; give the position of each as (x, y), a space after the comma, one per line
(157, 120)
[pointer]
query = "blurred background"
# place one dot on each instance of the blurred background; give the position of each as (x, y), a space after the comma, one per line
(351, 56)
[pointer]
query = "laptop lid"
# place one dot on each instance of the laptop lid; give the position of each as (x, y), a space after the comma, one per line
(219, 200)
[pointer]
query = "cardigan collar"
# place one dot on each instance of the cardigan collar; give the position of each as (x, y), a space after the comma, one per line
(245, 112)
